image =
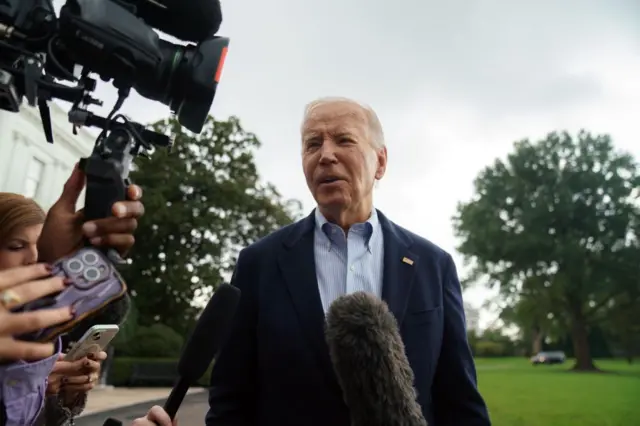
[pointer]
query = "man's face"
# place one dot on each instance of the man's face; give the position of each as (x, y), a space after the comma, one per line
(340, 163)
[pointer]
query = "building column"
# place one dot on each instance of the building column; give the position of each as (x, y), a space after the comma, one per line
(17, 169)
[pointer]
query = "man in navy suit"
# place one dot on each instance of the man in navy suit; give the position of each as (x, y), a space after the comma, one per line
(275, 369)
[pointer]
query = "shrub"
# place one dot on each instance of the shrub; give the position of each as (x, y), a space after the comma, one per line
(122, 368)
(485, 348)
(156, 341)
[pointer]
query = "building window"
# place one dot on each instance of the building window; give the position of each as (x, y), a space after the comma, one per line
(34, 177)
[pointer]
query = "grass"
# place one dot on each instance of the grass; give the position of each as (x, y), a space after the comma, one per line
(519, 394)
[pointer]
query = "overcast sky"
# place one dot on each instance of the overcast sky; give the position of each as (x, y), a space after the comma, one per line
(454, 83)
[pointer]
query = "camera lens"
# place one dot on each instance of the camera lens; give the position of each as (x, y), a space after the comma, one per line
(75, 266)
(91, 274)
(186, 79)
(96, 336)
(90, 258)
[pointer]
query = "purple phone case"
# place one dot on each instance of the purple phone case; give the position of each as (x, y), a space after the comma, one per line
(95, 284)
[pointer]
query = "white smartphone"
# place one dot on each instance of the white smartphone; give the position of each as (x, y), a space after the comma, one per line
(96, 339)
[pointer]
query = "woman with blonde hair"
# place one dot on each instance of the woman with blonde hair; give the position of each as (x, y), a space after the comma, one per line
(40, 371)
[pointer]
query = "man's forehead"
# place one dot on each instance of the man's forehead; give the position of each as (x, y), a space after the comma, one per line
(338, 115)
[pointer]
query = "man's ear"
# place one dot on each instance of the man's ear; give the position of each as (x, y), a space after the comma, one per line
(382, 163)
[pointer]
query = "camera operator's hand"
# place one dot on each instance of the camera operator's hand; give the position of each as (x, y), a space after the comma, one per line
(64, 233)
(155, 417)
(17, 287)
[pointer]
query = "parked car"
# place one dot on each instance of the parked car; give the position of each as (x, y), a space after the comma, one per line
(549, 357)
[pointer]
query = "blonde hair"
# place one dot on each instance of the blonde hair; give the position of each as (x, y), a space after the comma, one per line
(373, 122)
(18, 212)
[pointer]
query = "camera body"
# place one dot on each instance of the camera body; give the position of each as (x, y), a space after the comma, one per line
(107, 38)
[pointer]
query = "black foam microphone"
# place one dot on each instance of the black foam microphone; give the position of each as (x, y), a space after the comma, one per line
(187, 20)
(369, 360)
(205, 342)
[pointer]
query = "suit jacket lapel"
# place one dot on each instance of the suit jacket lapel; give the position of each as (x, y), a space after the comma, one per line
(399, 267)
(297, 263)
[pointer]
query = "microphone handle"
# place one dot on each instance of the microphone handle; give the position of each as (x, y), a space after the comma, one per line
(176, 397)
(172, 404)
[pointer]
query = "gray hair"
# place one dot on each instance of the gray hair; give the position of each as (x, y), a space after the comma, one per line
(375, 127)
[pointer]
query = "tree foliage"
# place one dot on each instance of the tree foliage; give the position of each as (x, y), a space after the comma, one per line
(622, 322)
(556, 221)
(472, 316)
(203, 203)
(535, 313)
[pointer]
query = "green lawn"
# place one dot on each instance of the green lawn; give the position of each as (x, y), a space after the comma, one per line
(519, 394)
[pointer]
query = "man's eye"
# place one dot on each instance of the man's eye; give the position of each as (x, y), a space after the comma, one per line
(15, 248)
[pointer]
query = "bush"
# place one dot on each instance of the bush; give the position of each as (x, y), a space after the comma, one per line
(122, 368)
(485, 348)
(156, 341)
(128, 328)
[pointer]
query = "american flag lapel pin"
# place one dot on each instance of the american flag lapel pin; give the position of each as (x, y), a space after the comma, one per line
(407, 261)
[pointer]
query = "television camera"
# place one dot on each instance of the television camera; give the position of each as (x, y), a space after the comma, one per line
(113, 39)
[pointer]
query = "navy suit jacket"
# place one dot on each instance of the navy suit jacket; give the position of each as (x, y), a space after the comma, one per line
(275, 369)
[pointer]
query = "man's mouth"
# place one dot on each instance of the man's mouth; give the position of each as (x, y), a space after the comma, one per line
(329, 179)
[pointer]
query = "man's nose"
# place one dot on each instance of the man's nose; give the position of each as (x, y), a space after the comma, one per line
(328, 152)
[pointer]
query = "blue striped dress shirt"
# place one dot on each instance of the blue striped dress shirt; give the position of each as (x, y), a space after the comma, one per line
(346, 263)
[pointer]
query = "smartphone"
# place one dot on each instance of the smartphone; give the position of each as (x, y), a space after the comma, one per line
(95, 284)
(96, 339)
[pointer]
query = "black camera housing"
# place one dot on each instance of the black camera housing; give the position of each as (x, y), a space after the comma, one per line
(107, 38)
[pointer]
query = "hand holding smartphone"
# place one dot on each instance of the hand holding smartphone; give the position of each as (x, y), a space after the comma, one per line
(93, 284)
(95, 340)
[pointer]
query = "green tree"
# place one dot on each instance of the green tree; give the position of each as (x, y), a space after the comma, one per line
(203, 203)
(559, 214)
(493, 342)
(622, 320)
(524, 314)
(532, 312)
(472, 315)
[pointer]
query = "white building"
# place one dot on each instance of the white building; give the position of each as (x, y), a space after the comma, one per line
(472, 315)
(31, 166)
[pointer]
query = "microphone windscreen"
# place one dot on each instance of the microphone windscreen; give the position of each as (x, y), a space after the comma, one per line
(369, 360)
(210, 333)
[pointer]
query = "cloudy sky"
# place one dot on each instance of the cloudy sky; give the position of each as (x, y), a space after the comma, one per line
(455, 83)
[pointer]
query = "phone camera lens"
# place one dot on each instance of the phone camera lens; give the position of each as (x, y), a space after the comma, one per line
(91, 274)
(90, 258)
(96, 336)
(75, 266)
